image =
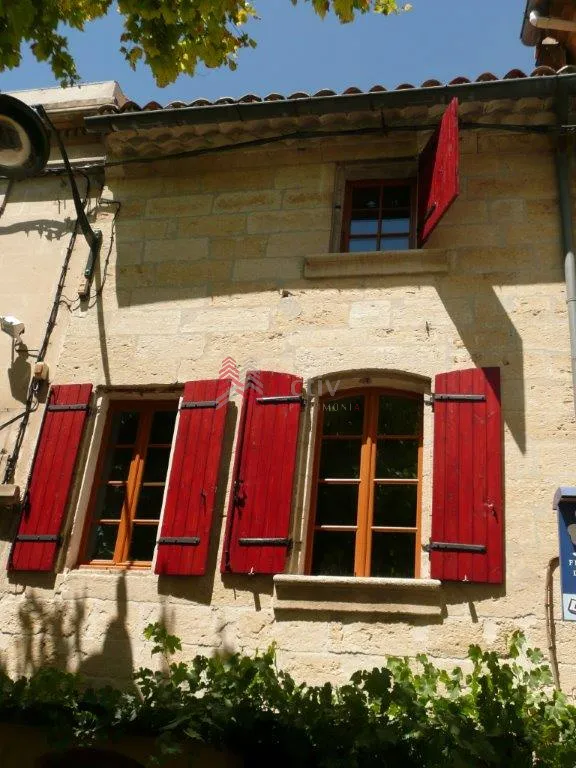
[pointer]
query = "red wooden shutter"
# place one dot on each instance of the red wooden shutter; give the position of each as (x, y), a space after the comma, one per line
(438, 173)
(467, 513)
(38, 536)
(185, 534)
(258, 522)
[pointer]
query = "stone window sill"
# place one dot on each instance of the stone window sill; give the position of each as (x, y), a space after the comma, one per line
(358, 595)
(370, 263)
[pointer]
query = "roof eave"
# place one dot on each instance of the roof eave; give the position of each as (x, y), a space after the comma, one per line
(529, 34)
(539, 87)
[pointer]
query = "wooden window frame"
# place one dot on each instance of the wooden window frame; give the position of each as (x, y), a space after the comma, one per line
(366, 480)
(147, 409)
(353, 184)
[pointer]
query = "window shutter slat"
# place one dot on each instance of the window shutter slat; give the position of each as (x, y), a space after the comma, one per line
(438, 173)
(190, 497)
(467, 500)
(258, 524)
(51, 479)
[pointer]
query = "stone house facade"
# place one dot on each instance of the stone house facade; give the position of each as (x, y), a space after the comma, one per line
(322, 383)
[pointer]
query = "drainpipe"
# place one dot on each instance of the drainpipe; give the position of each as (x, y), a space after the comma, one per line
(563, 174)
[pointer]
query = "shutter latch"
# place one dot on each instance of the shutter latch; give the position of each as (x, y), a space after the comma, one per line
(38, 537)
(449, 546)
(191, 405)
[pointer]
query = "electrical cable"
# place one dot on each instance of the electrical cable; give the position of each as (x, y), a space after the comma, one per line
(305, 135)
(32, 402)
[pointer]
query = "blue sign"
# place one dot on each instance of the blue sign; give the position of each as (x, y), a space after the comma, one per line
(565, 503)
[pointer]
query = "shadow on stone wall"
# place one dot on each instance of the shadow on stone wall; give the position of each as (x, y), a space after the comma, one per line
(57, 632)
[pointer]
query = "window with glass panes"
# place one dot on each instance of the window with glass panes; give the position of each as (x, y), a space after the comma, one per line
(379, 215)
(365, 518)
(129, 485)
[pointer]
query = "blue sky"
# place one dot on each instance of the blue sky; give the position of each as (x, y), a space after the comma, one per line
(298, 51)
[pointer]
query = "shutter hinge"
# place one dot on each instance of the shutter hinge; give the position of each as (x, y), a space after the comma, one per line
(449, 546)
(189, 541)
(35, 537)
(77, 407)
(453, 398)
(191, 405)
(264, 542)
(280, 399)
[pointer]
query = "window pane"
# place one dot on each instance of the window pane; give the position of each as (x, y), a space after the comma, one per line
(337, 505)
(393, 555)
(362, 244)
(397, 459)
(395, 505)
(396, 197)
(367, 198)
(344, 416)
(364, 226)
(110, 501)
(340, 458)
(156, 465)
(103, 542)
(143, 542)
(119, 464)
(150, 502)
(399, 415)
(125, 427)
(394, 244)
(396, 225)
(333, 553)
(162, 427)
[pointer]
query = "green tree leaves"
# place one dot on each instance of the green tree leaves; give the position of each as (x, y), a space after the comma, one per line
(171, 36)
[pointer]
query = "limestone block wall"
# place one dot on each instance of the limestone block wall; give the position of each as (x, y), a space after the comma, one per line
(36, 222)
(206, 262)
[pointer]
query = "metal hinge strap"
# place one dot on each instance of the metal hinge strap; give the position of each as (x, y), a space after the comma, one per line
(191, 405)
(448, 546)
(454, 398)
(78, 407)
(189, 541)
(265, 542)
(37, 537)
(280, 399)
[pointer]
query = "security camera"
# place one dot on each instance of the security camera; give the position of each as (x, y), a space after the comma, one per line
(12, 326)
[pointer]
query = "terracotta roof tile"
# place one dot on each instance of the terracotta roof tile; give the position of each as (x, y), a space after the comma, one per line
(131, 106)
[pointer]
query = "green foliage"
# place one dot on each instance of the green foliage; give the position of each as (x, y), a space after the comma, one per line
(502, 711)
(171, 36)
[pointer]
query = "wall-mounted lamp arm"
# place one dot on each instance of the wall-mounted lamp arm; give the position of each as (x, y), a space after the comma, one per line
(93, 236)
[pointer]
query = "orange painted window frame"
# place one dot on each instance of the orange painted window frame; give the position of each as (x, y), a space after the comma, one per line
(147, 409)
(367, 480)
(347, 208)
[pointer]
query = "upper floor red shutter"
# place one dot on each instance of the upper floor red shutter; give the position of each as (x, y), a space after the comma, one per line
(467, 514)
(258, 522)
(187, 520)
(438, 173)
(38, 536)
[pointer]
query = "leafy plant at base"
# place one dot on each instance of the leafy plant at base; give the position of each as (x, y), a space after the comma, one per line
(171, 36)
(502, 711)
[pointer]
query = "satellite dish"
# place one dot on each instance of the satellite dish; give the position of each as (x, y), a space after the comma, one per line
(24, 139)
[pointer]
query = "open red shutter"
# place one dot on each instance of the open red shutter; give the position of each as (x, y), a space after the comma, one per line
(467, 513)
(258, 522)
(185, 534)
(438, 173)
(38, 536)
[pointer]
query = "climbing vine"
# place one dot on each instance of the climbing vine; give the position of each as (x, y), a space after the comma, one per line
(501, 711)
